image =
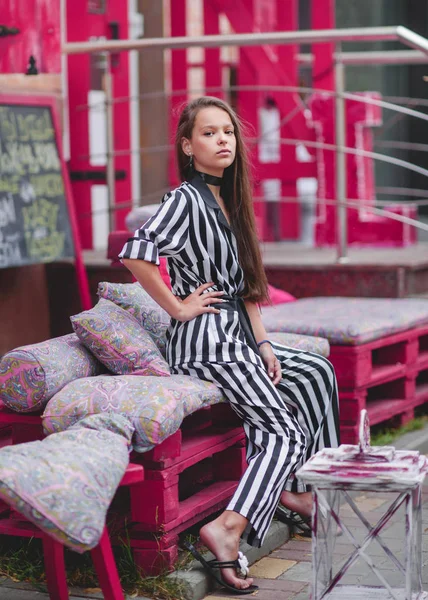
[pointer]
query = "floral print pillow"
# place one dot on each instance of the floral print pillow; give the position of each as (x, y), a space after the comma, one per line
(134, 299)
(65, 483)
(119, 342)
(31, 375)
(155, 406)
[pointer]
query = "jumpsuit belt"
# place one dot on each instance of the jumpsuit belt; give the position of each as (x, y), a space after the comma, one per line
(237, 303)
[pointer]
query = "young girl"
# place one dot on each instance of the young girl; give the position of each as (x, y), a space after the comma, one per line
(286, 398)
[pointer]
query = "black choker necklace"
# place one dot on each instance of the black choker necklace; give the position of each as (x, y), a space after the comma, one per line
(210, 179)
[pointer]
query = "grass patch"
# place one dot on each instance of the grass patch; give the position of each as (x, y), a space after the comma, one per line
(21, 559)
(384, 436)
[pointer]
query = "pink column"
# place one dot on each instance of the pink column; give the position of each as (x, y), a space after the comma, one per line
(78, 86)
(213, 69)
(287, 20)
(118, 12)
(323, 17)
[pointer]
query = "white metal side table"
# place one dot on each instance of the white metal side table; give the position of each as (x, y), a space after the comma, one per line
(334, 473)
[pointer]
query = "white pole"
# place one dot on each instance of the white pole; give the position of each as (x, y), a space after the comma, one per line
(108, 87)
(341, 179)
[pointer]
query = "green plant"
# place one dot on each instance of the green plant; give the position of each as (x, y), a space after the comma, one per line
(21, 559)
(381, 436)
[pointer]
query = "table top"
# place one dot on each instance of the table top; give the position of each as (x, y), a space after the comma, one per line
(378, 468)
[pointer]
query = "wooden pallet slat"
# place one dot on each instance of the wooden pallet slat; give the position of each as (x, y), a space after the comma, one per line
(388, 377)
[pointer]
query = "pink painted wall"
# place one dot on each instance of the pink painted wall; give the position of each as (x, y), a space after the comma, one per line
(39, 25)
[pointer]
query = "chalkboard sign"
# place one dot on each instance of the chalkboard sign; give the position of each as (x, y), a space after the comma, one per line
(34, 216)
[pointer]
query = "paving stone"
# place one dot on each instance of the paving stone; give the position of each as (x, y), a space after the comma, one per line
(303, 595)
(395, 544)
(298, 545)
(221, 597)
(393, 578)
(271, 568)
(293, 555)
(351, 580)
(8, 594)
(281, 585)
(264, 594)
(300, 572)
(368, 503)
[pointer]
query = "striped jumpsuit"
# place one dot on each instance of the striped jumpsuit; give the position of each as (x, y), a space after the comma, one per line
(284, 425)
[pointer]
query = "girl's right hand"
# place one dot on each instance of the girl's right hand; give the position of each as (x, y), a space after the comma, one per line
(198, 303)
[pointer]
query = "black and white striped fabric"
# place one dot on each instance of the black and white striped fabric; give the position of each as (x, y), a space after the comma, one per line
(284, 425)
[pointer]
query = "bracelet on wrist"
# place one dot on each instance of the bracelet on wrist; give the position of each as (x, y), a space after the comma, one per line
(263, 342)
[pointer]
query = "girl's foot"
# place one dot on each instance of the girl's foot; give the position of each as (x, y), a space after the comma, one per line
(223, 541)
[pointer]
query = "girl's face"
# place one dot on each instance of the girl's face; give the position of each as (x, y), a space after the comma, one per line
(213, 142)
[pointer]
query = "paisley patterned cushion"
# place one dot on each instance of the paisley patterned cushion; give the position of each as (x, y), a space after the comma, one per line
(66, 483)
(155, 406)
(118, 340)
(307, 343)
(135, 300)
(31, 375)
(347, 321)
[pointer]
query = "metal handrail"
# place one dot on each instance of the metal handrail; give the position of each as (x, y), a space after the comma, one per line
(291, 142)
(353, 203)
(395, 144)
(398, 33)
(314, 144)
(379, 57)
(357, 34)
(393, 100)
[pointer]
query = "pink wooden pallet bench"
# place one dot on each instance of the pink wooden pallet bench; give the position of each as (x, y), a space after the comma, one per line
(388, 377)
(18, 428)
(379, 348)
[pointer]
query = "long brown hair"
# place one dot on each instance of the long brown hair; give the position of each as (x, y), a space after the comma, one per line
(236, 193)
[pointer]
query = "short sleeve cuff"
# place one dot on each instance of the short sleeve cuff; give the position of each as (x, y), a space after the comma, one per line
(140, 250)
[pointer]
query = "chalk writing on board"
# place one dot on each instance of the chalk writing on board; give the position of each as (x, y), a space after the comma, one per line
(34, 225)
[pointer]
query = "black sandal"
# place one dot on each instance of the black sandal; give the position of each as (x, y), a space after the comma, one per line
(298, 523)
(240, 564)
